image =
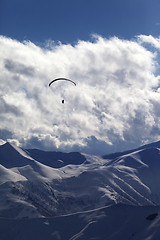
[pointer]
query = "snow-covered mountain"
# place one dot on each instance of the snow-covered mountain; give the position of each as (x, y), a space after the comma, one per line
(54, 190)
(108, 223)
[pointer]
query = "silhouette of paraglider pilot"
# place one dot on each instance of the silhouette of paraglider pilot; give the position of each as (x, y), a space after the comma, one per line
(65, 79)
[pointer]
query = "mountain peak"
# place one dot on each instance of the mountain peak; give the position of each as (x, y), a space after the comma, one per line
(12, 156)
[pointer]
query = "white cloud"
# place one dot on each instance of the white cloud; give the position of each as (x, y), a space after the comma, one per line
(114, 106)
(151, 40)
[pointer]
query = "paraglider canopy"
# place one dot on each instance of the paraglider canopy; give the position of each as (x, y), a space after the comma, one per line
(64, 79)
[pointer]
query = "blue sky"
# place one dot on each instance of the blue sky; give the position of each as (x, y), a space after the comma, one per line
(110, 48)
(71, 20)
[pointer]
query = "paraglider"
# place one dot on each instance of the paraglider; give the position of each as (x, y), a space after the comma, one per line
(59, 79)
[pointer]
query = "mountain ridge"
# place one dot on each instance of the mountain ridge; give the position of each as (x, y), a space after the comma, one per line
(74, 191)
(118, 154)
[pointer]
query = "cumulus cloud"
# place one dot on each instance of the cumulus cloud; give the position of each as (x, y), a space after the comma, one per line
(18, 68)
(151, 40)
(115, 105)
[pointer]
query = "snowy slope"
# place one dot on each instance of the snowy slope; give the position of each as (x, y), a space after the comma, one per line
(108, 223)
(56, 186)
(8, 175)
(129, 179)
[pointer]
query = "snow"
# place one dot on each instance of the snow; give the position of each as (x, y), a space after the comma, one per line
(80, 196)
(9, 175)
(114, 222)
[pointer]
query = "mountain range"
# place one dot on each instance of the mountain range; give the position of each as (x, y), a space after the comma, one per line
(55, 195)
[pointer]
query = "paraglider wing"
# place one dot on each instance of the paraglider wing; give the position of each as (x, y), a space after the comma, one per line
(57, 79)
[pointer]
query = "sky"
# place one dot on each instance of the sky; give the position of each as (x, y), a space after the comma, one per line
(111, 49)
(72, 20)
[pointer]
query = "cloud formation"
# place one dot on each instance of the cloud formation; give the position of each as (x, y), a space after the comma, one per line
(150, 39)
(115, 105)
